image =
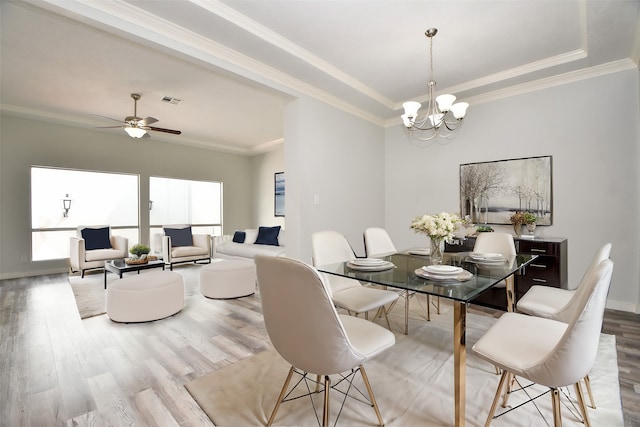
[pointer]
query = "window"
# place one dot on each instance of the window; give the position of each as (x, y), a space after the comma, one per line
(95, 198)
(179, 201)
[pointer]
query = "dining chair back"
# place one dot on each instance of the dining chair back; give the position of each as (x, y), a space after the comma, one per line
(377, 242)
(330, 247)
(501, 243)
(306, 330)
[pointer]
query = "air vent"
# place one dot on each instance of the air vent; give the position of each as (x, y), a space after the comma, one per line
(171, 100)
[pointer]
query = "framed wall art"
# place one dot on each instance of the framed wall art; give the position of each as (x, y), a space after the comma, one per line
(490, 192)
(278, 201)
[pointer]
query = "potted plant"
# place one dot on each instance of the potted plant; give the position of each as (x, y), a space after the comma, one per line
(519, 219)
(140, 250)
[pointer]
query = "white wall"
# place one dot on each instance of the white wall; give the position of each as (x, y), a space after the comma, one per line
(591, 130)
(338, 159)
(263, 167)
(27, 142)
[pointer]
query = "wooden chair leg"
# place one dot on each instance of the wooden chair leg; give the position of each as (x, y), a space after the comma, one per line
(325, 411)
(280, 397)
(555, 403)
(587, 383)
(507, 389)
(582, 404)
(372, 398)
(495, 399)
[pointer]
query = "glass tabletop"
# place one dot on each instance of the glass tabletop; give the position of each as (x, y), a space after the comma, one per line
(406, 272)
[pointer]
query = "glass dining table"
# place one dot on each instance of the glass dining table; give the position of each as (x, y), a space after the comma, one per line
(413, 273)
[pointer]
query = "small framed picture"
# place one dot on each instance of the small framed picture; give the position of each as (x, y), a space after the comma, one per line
(278, 201)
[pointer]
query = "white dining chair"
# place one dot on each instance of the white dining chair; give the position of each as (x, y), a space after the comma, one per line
(500, 243)
(548, 352)
(378, 243)
(559, 304)
(307, 332)
(331, 247)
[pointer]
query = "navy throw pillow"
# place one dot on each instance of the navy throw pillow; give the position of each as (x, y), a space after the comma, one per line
(239, 236)
(96, 238)
(268, 236)
(179, 236)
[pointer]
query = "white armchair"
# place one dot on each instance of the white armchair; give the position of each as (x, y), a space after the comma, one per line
(93, 245)
(179, 245)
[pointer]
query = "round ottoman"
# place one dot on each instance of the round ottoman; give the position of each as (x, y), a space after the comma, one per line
(145, 297)
(228, 278)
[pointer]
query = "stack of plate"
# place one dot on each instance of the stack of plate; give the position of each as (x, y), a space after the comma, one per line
(370, 264)
(443, 272)
(487, 258)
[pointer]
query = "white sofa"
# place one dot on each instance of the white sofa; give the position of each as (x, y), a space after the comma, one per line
(225, 247)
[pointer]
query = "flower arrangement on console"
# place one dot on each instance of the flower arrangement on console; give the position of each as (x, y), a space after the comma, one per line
(438, 227)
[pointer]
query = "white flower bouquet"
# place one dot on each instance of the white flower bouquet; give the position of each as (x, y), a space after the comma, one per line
(440, 226)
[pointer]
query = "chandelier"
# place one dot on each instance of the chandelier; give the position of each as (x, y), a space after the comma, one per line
(442, 118)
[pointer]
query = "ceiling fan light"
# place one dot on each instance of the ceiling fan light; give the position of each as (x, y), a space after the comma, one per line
(445, 102)
(459, 109)
(135, 132)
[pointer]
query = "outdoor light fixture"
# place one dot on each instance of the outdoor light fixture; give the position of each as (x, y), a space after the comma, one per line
(442, 118)
(66, 205)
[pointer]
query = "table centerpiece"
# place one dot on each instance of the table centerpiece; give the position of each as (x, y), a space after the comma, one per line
(439, 228)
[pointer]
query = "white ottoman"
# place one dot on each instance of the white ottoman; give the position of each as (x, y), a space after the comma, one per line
(145, 297)
(228, 278)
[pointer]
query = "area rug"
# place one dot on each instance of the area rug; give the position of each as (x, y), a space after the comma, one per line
(412, 381)
(91, 296)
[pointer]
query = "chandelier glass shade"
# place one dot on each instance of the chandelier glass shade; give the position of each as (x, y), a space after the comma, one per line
(135, 132)
(443, 116)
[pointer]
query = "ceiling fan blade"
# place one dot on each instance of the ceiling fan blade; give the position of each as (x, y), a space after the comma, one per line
(108, 118)
(147, 121)
(108, 127)
(174, 132)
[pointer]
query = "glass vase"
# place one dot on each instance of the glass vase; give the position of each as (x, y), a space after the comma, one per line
(436, 250)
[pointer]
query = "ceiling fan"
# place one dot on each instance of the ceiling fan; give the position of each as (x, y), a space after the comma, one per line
(135, 126)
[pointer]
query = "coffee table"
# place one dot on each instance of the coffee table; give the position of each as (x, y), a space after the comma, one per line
(119, 266)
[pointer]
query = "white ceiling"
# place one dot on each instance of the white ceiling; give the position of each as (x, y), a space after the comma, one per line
(236, 63)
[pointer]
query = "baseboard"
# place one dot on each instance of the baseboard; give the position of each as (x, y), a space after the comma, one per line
(623, 306)
(22, 274)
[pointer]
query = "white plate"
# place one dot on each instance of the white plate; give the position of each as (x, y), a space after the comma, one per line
(486, 257)
(442, 270)
(422, 252)
(463, 276)
(368, 261)
(386, 265)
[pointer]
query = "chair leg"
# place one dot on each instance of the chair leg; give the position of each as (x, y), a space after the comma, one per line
(507, 389)
(495, 399)
(406, 313)
(428, 308)
(555, 403)
(582, 404)
(325, 411)
(386, 317)
(371, 396)
(281, 396)
(587, 383)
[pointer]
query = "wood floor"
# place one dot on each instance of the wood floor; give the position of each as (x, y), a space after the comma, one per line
(56, 369)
